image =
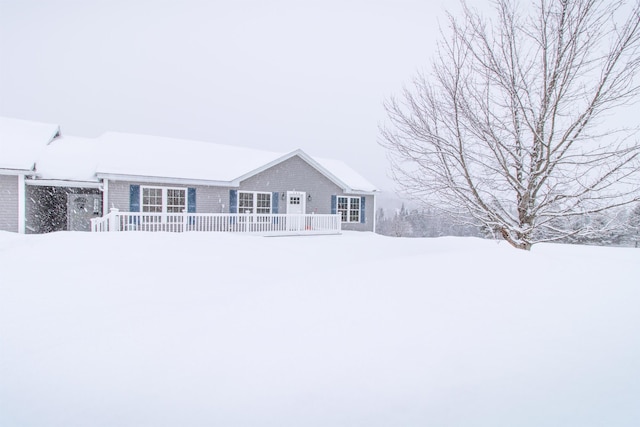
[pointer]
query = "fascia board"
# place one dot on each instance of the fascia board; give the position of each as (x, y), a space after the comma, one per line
(62, 183)
(361, 193)
(7, 171)
(165, 180)
(304, 156)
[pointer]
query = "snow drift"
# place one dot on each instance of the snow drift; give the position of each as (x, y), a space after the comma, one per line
(135, 329)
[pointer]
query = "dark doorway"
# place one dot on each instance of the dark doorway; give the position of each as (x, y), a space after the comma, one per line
(48, 207)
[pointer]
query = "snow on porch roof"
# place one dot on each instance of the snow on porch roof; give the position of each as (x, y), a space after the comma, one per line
(69, 158)
(144, 156)
(21, 142)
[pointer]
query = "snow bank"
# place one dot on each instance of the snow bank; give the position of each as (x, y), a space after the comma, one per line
(193, 329)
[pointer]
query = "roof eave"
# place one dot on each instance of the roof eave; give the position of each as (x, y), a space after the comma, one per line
(164, 180)
(71, 183)
(15, 171)
(361, 192)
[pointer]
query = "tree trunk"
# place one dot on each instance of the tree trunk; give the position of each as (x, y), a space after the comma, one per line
(520, 242)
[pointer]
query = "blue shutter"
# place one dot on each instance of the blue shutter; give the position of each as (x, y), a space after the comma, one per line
(334, 204)
(191, 204)
(233, 201)
(275, 200)
(233, 204)
(191, 200)
(134, 198)
(362, 210)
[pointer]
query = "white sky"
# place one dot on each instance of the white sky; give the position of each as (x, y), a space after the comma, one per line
(275, 75)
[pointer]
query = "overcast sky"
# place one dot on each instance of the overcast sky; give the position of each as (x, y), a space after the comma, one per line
(275, 75)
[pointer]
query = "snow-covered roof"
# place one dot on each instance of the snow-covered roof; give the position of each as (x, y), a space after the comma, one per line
(22, 141)
(69, 158)
(131, 155)
(340, 170)
(143, 155)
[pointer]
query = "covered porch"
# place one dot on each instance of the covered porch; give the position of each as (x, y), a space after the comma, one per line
(268, 224)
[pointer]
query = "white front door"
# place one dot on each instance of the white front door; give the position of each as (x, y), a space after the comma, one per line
(295, 206)
(296, 202)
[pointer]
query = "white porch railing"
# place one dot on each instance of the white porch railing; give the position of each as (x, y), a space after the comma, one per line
(239, 223)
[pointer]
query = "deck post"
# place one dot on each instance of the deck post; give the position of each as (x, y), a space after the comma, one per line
(113, 219)
(185, 220)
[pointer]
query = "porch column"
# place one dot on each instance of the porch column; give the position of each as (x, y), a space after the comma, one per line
(375, 207)
(105, 197)
(22, 199)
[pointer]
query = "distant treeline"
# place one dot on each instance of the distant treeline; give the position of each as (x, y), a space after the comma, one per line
(619, 227)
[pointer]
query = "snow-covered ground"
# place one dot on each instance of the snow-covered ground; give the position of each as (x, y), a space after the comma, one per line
(135, 329)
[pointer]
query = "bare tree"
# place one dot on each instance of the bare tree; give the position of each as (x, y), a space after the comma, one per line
(513, 125)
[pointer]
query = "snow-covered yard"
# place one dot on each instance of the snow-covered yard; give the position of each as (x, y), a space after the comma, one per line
(155, 329)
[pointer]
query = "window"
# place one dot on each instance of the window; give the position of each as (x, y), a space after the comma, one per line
(164, 200)
(263, 205)
(176, 200)
(349, 209)
(245, 203)
(152, 200)
(254, 202)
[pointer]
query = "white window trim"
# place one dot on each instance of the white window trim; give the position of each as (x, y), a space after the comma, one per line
(349, 210)
(255, 202)
(164, 198)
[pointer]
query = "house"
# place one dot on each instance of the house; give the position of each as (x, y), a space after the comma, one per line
(123, 181)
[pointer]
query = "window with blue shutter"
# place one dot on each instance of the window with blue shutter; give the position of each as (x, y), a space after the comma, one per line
(350, 208)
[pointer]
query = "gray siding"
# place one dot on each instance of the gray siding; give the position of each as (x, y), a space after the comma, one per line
(293, 174)
(208, 199)
(9, 203)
